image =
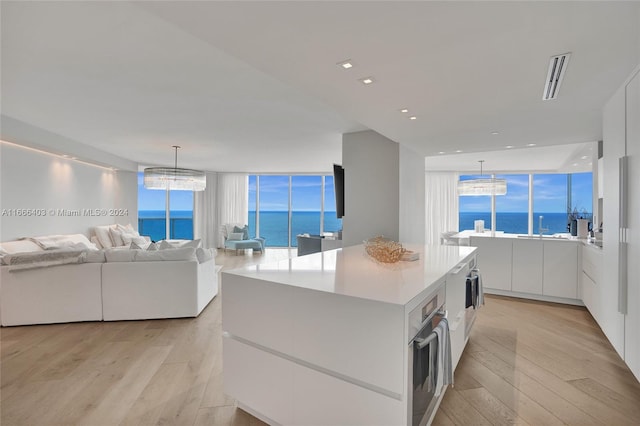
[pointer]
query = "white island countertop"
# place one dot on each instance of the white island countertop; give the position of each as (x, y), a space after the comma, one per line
(351, 272)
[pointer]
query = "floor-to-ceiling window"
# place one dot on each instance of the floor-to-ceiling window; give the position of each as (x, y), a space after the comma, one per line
(153, 211)
(554, 196)
(474, 208)
(282, 207)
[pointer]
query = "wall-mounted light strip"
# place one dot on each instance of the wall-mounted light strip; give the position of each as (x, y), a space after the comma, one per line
(62, 156)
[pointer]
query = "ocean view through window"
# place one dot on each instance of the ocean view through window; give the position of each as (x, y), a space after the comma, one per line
(283, 206)
(554, 195)
(153, 209)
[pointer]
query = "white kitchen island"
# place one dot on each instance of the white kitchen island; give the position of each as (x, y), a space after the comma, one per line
(323, 338)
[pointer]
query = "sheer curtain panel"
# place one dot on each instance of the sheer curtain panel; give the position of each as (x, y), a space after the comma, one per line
(205, 224)
(233, 200)
(441, 204)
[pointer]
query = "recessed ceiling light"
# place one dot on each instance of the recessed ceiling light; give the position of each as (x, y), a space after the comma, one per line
(509, 146)
(366, 80)
(413, 117)
(458, 151)
(441, 152)
(584, 157)
(495, 133)
(345, 64)
(404, 110)
(575, 164)
(531, 144)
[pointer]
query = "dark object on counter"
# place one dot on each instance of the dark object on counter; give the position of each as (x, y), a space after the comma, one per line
(573, 227)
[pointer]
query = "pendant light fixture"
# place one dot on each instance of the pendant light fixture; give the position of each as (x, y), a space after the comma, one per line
(482, 186)
(174, 178)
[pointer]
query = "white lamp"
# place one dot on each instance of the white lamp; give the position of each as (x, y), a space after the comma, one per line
(482, 186)
(174, 178)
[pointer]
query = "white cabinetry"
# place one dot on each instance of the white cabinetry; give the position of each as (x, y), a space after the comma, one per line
(456, 287)
(494, 261)
(613, 129)
(527, 266)
(632, 318)
(590, 278)
(560, 272)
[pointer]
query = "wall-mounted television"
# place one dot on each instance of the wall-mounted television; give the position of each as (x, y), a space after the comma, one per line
(338, 183)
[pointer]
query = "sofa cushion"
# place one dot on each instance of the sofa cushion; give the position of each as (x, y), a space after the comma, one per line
(95, 256)
(164, 245)
(129, 239)
(116, 237)
(115, 255)
(176, 254)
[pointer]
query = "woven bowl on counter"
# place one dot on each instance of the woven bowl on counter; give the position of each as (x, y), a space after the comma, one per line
(383, 249)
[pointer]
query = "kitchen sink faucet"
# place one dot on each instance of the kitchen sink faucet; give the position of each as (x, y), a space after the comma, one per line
(541, 230)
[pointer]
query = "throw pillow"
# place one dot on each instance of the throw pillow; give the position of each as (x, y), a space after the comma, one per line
(204, 255)
(102, 233)
(135, 246)
(95, 241)
(116, 237)
(244, 230)
(164, 245)
(192, 243)
(152, 247)
(236, 236)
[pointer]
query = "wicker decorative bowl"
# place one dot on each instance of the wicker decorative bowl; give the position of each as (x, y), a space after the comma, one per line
(383, 249)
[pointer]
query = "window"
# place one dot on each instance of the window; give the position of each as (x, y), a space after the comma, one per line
(274, 210)
(474, 208)
(554, 195)
(306, 206)
(281, 207)
(550, 202)
(153, 209)
(512, 209)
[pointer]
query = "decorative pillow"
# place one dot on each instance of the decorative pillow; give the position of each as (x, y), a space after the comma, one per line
(130, 238)
(235, 236)
(205, 255)
(134, 246)
(164, 245)
(129, 229)
(95, 241)
(178, 254)
(103, 235)
(244, 230)
(120, 255)
(192, 243)
(152, 247)
(116, 237)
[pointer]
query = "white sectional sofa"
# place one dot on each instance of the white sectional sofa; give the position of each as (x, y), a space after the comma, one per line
(110, 288)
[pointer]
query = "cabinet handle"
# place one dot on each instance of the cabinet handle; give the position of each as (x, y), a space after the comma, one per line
(623, 190)
(622, 277)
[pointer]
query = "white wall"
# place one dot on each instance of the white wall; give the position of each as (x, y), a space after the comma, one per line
(35, 180)
(384, 189)
(412, 197)
(371, 197)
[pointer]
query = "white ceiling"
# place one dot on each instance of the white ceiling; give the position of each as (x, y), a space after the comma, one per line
(254, 86)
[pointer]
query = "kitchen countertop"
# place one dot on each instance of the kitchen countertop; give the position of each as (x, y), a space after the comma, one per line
(464, 235)
(350, 272)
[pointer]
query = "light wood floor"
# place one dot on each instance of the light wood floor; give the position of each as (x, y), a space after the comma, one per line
(526, 363)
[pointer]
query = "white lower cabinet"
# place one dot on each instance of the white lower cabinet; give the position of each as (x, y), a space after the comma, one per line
(494, 261)
(456, 288)
(527, 266)
(260, 380)
(590, 278)
(560, 271)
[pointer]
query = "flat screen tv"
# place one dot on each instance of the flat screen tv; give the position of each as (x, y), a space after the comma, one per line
(338, 183)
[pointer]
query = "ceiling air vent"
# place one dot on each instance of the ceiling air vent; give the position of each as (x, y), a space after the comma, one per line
(557, 68)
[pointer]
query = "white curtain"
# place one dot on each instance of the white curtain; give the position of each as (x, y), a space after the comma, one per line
(441, 204)
(233, 200)
(205, 224)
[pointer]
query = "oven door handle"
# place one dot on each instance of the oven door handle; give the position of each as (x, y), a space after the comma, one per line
(424, 342)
